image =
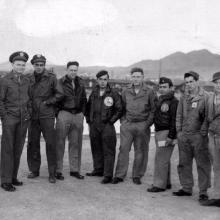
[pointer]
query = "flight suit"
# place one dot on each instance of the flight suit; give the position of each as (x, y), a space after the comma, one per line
(192, 130)
(135, 129)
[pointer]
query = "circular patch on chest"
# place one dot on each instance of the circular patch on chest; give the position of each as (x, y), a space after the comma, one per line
(164, 107)
(108, 101)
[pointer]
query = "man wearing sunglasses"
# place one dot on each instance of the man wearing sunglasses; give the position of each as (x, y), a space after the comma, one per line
(44, 95)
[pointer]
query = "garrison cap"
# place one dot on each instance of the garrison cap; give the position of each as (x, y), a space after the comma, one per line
(163, 80)
(38, 58)
(215, 76)
(102, 73)
(19, 55)
(193, 74)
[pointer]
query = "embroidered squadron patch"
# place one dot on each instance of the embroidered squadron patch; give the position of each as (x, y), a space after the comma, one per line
(108, 101)
(194, 105)
(164, 107)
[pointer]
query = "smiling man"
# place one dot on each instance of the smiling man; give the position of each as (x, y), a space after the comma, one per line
(15, 112)
(44, 95)
(138, 112)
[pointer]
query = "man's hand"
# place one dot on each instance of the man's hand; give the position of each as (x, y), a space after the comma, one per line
(169, 142)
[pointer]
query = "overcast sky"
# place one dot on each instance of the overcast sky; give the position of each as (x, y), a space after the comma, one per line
(108, 32)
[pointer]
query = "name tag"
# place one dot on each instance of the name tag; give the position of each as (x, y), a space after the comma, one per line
(194, 105)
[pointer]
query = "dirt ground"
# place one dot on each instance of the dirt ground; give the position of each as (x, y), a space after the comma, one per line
(88, 199)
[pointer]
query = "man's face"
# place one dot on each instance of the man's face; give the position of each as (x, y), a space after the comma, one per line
(137, 78)
(19, 66)
(217, 85)
(191, 83)
(164, 88)
(39, 67)
(102, 81)
(72, 71)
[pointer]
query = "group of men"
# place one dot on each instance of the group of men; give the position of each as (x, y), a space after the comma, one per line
(56, 108)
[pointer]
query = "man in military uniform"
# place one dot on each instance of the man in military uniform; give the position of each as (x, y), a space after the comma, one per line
(104, 108)
(214, 138)
(192, 131)
(15, 112)
(165, 134)
(70, 121)
(139, 107)
(44, 95)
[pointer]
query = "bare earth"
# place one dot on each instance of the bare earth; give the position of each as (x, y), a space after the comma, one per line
(88, 199)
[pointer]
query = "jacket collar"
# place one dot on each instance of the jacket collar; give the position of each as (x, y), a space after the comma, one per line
(67, 79)
(44, 74)
(198, 96)
(143, 86)
(97, 88)
(167, 96)
(12, 75)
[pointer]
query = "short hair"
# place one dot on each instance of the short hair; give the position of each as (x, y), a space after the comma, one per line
(72, 63)
(137, 69)
(102, 73)
(193, 74)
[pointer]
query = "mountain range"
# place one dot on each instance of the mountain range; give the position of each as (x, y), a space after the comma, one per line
(174, 65)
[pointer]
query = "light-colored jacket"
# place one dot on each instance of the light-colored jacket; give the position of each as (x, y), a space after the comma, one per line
(213, 116)
(139, 107)
(191, 114)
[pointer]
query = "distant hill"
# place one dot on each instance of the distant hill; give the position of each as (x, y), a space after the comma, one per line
(174, 65)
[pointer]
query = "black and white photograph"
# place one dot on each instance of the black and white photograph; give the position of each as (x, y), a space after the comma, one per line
(109, 110)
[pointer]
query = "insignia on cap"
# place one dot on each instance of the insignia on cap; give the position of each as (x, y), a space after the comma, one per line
(21, 54)
(38, 55)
